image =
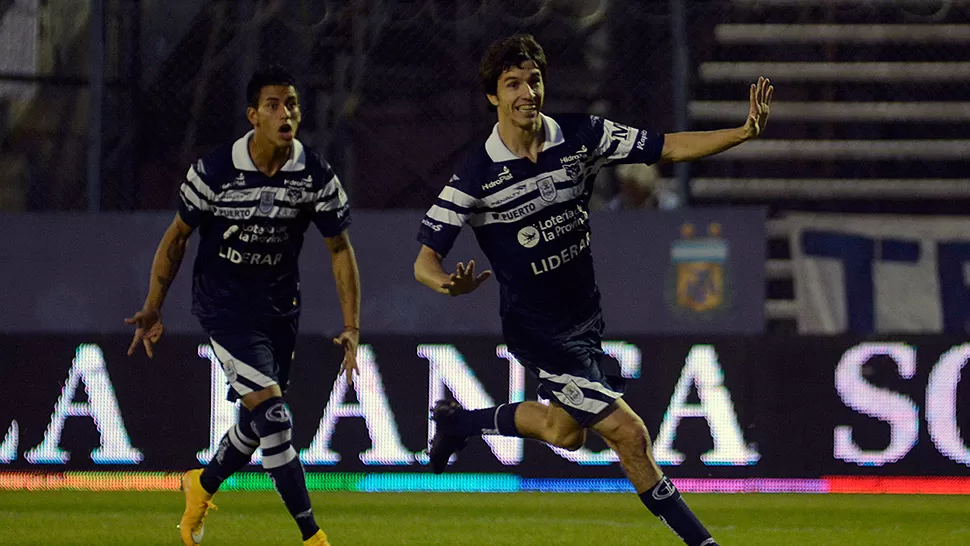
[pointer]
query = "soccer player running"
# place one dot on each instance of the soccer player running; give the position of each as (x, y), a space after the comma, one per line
(252, 202)
(525, 193)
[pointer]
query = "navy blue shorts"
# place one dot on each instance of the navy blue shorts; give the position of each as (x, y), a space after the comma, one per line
(568, 368)
(254, 358)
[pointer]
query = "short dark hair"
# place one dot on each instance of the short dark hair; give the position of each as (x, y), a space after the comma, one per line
(268, 75)
(509, 53)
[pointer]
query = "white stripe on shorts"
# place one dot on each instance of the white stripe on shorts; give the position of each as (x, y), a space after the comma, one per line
(582, 382)
(242, 369)
(588, 405)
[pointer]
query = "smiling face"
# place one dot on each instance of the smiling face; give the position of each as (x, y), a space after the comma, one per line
(519, 95)
(277, 116)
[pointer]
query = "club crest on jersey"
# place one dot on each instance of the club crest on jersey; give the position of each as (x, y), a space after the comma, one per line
(266, 199)
(547, 189)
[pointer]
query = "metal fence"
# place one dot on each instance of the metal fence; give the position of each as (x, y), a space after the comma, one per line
(389, 88)
(104, 103)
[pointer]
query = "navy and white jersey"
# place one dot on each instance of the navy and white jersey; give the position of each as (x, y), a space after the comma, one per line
(531, 219)
(251, 229)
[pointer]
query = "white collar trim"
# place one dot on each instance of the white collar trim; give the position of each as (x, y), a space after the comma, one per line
(242, 160)
(498, 151)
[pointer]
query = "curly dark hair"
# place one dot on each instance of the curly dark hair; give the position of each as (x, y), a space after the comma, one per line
(268, 75)
(509, 53)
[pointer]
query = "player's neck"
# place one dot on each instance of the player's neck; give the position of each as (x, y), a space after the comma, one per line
(522, 141)
(268, 158)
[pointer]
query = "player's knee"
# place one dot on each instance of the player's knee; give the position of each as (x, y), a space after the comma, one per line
(630, 436)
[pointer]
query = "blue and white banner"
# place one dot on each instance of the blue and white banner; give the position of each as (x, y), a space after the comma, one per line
(881, 274)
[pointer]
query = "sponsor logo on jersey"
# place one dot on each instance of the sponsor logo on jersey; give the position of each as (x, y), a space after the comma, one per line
(642, 141)
(514, 213)
(264, 234)
(510, 195)
(433, 226)
(233, 213)
(528, 236)
(550, 229)
(504, 176)
(237, 182)
(249, 258)
(555, 261)
(573, 164)
(305, 183)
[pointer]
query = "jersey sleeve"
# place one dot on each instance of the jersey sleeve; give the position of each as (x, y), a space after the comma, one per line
(195, 196)
(443, 221)
(331, 210)
(620, 144)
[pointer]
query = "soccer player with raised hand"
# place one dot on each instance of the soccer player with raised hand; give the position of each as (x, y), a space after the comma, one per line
(526, 194)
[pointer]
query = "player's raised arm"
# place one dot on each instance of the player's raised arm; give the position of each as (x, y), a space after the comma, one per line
(428, 271)
(165, 265)
(688, 146)
(347, 277)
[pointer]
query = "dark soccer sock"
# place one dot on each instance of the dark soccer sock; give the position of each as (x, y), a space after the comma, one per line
(497, 420)
(272, 420)
(235, 450)
(665, 502)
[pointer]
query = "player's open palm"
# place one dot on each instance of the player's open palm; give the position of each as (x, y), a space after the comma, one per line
(148, 330)
(760, 105)
(464, 280)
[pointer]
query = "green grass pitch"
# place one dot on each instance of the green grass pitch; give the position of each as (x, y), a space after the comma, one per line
(360, 519)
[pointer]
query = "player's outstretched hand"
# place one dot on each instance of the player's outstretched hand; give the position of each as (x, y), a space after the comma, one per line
(349, 339)
(463, 280)
(760, 95)
(148, 330)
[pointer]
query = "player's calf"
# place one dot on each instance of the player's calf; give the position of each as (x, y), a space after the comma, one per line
(235, 451)
(273, 422)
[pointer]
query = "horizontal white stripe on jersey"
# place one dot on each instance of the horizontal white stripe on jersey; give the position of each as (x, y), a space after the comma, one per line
(333, 202)
(446, 216)
(526, 209)
(189, 196)
(245, 213)
(253, 195)
(523, 187)
(199, 185)
(452, 195)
